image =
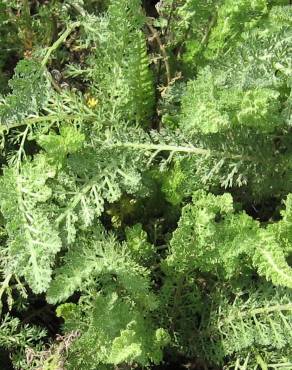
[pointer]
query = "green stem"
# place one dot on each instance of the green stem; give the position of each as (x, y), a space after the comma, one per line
(75, 201)
(164, 147)
(4, 286)
(261, 362)
(259, 311)
(26, 13)
(53, 117)
(21, 148)
(58, 42)
(284, 365)
(206, 36)
(174, 148)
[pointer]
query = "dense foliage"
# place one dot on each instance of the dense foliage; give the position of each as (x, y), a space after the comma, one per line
(146, 184)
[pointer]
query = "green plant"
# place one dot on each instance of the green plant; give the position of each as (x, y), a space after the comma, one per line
(145, 204)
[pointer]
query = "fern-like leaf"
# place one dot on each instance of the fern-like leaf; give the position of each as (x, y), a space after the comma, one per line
(30, 91)
(33, 242)
(211, 237)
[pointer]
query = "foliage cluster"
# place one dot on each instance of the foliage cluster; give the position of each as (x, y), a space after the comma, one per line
(145, 185)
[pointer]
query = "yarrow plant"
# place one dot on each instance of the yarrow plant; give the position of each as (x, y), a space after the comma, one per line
(146, 187)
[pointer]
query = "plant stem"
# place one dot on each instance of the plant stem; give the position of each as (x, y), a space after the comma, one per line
(174, 148)
(58, 42)
(4, 286)
(53, 117)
